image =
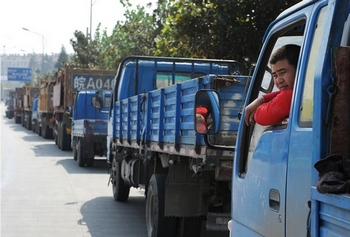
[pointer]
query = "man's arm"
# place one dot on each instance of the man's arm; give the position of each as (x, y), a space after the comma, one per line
(275, 110)
(250, 110)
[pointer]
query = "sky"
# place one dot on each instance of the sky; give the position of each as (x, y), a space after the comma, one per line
(52, 23)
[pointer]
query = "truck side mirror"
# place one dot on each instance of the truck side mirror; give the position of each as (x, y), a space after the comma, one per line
(69, 111)
(100, 99)
(207, 112)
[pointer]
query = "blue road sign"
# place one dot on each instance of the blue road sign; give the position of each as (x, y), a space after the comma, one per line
(19, 74)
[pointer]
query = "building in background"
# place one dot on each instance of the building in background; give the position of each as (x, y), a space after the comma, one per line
(36, 62)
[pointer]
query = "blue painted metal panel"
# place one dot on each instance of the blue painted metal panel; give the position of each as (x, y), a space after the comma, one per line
(168, 113)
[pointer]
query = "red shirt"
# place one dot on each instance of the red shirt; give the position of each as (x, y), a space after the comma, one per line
(275, 108)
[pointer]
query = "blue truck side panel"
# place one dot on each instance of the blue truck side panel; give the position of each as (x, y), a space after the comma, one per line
(333, 215)
(165, 117)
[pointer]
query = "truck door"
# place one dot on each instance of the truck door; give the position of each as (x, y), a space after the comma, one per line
(271, 177)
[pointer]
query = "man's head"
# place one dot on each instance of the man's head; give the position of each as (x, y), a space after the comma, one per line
(283, 64)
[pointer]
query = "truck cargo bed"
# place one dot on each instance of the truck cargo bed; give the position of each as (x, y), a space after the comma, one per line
(163, 119)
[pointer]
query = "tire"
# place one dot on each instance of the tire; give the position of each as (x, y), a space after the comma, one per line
(75, 152)
(29, 123)
(45, 129)
(64, 139)
(34, 127)
(22, 120)
(120, 189)
(157, 224)
(17, 119)
(56, 134)
(59, 135)
(38, 129)
(81, 157)
(45, 132)
(90, 161)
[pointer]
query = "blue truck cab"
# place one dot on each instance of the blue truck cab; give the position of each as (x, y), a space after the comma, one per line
(89, 127)
(275, 183)
(152, 143)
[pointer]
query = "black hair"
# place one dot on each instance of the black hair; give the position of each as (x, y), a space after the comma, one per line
(289, 52)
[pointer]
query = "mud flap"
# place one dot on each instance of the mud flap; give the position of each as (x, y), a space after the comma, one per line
(340, 128)
(186, 195)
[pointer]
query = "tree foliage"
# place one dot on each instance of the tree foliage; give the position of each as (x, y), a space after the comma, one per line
(134, 36)
(63, 58)
(223, 29)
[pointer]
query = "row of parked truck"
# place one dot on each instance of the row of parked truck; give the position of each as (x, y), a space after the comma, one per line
(253, 180)
(65, 109)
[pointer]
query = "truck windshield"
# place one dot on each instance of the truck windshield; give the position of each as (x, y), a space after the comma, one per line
(106, 105)
(164, 79)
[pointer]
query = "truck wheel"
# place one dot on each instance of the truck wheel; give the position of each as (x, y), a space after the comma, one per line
(43, 128)
(57, 134)
(17, 119)
(157, 224)
(90, 161)
(59, 139)
(80, 153)
(64, 138)
(120, 189)
(46, 130)
(22, 120)
(75, 152)
(38, 129)
(46, 135)
(29, 123)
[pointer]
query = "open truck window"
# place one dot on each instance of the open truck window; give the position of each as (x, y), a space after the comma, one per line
(291, 35)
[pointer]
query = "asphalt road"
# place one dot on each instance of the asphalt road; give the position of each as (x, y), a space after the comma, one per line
(44, 193)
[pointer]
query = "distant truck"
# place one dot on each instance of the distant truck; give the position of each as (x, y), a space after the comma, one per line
(18, 104)
(45, 109)
(152, 143)
(9, 103)
(68, 82)
(89, 127)
(30, 93)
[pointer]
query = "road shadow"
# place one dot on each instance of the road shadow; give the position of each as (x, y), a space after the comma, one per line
(71, 166)
(105, 217)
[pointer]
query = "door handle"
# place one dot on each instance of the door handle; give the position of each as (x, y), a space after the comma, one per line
(274, 200)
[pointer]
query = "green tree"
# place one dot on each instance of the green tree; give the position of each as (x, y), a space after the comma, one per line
(134, 36)
(86, 51)
(225, 29)
(63, 58)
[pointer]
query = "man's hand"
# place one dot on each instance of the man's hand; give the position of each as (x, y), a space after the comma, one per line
(250, 110)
